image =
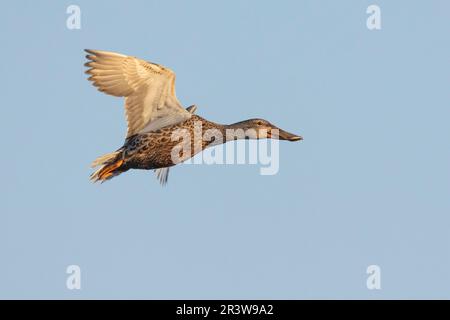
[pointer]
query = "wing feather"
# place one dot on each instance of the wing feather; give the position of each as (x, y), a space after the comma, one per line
(148, 88)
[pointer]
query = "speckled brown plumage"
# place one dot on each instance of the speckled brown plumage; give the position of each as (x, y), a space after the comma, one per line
(154, 150)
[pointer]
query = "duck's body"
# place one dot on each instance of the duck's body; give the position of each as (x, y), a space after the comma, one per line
(153, 150)
(161, 133)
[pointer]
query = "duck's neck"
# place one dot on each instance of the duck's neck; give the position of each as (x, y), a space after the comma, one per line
(234, 131)
(230, 132)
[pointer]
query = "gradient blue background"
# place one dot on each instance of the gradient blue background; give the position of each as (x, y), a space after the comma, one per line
(369, 184)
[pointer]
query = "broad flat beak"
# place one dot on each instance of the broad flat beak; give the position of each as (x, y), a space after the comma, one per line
(284, 135)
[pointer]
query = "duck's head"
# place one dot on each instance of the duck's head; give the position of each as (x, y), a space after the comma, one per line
(261, 129)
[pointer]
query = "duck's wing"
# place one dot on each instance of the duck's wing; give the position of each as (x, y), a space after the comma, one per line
(162, 174)
(148, 88)
(192, 109)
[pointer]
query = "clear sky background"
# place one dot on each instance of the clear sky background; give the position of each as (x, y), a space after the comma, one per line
(370, 184)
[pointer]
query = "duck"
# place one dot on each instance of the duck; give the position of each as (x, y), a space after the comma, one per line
(154, 116)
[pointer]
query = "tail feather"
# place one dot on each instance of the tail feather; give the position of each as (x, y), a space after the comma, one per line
(109, 163)
(105, 158)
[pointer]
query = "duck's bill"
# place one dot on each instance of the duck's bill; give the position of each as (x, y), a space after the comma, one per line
(284, 135)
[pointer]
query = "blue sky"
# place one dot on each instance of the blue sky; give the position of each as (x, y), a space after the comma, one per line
(369, 184)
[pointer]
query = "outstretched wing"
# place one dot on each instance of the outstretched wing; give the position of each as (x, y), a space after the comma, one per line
(148, 88)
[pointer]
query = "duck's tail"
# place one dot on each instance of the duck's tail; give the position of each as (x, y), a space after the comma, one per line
(110, 166)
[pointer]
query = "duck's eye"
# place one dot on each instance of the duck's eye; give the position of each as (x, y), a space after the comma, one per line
(259, 123)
